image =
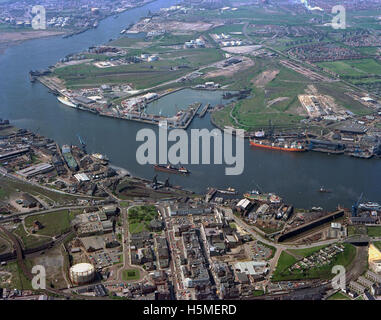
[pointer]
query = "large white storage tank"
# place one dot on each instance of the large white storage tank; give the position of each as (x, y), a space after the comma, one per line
(82, 273)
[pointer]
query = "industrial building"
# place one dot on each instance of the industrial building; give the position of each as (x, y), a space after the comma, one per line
(12, 154)
(32, 171)
(311, 225)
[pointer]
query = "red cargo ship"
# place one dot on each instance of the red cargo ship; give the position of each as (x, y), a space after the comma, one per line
(293, 147)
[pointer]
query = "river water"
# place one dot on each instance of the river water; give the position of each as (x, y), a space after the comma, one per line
(296, 177)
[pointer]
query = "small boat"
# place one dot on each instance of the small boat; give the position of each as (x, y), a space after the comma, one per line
(323, 190)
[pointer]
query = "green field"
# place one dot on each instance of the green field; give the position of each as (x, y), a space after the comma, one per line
(139, 75)
(339, 296)
(18, 280)
(286, 260)
(10, 187)
(54, 223)
(256, 111)
(377, 244)
(139, 218)
(374, 231)
(4, 243)
(306, 252)
(258, 293)
(130, 274)
(353, 68)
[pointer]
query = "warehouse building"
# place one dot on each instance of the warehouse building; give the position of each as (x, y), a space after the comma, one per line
(35, 170)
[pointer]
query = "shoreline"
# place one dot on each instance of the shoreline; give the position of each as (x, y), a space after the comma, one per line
(4, 45)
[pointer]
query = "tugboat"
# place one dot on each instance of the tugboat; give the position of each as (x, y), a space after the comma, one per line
(171, 169)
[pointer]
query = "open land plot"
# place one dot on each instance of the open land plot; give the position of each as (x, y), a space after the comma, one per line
(374, 231)
(241, 49)
(54, 223)
(353, 68)
(286, 260)
(5, 244)
(338, 92)
(261, 15)
(29, 240)
(169, 25)
(54, 263)
(265, 77)
(231, 70)
(140, 75)
(255, 111)
(339, 296)
(10, 187)
(16, 35)
(17, 279)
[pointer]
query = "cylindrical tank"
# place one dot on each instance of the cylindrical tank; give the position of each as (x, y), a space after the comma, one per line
(82, 273)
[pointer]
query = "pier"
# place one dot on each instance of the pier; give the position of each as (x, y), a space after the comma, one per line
(204, 110)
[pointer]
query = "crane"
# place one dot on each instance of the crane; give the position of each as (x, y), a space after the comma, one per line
(356, 206)
(82, 142)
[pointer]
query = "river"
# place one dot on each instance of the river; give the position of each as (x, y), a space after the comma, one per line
(296, 177)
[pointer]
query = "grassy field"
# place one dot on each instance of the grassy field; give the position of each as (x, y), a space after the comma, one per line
(362, 67)
(306, 252)
(18, 279)
(285, 261)
(339, 296)
(356, 230)
(54, 223)
(258, 293)
(374, 231)
(256, 111)
(4, 244)
(337, 91)
(130, 274)
(30, 241)
(139, 218)
(140, 75)
(323, 272)
(10, 187)
(377, 244)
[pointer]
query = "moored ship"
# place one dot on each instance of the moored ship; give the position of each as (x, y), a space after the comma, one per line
(263, 197)
(66, 101)
(171, 169)
(228, 191)
(370, 206)
(100, 156)
(292, 147)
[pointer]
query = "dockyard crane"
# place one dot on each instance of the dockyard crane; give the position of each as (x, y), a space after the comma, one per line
(356, 206)
(82, 142)
(271, 128)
